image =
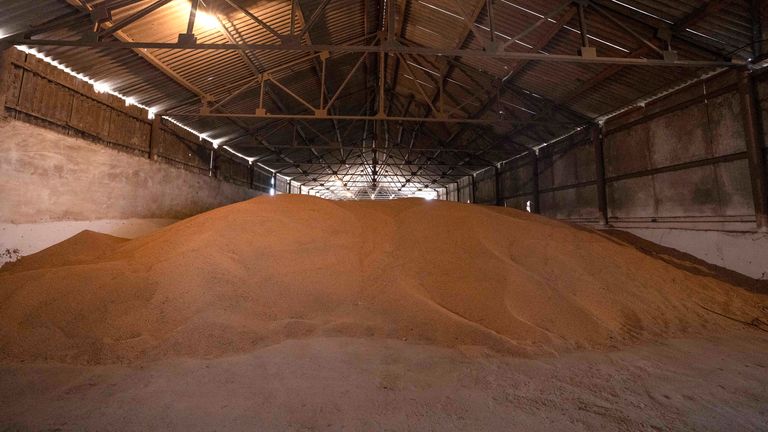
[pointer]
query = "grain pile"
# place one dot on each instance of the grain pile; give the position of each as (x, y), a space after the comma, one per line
(272, 268)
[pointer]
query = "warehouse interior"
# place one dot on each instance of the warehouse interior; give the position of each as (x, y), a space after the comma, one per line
(383, 214)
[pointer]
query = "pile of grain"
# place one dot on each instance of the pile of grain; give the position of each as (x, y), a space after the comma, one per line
(272, 268)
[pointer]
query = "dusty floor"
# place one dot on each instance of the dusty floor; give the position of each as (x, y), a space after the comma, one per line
(309, 321)
(361, 384)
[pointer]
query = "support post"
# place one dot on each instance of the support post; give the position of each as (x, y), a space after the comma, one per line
(474, 189)
(535, 201)
(251, 175)
(602, 201)
(189, 38)
(499, 199)
(212, 166)
(5, 74)
(755, 153)
(757, 28)
(155, 137)
(458, 194)
(585, 50)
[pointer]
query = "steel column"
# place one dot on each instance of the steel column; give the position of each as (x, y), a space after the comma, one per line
(474, 189)
(212, 166)
(155, 137)
(757, 28)
(535, 207)
(424, 51)
(497, 189)
(583, 26)
(602, 201)
(755, 153)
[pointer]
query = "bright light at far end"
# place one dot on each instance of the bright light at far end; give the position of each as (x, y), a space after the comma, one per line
(272, 191)
(427, 194)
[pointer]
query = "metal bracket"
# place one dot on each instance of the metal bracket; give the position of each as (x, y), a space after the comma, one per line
(664, 33)
(670, 56)
(100, 15)
(289, 41)
(187, 39)
(494, 46)
(205, 108)
(90, 37)
(588, 52)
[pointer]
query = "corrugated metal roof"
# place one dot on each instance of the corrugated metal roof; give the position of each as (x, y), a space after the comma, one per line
(475, 86)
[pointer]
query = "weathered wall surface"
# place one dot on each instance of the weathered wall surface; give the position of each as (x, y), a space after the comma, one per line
(76, 159)
(45, 176)
(53, 180)
(746, 253)
(680, 161)
(683, 159)
(676, 173)
(34, 91)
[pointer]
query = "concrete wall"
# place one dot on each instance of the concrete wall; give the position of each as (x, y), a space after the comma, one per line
(53, 186)
(485, 186)
(693, 158)
(464, 190)
(676, 173)
(743, 252)
(679, 161)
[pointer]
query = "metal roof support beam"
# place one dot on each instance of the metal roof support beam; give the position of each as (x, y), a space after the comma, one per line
(404, 62)
(449, 66)
(348, 148)
(757, 28)
(478, 121)
(313, 19)
(62, 21)
(623, 26)
(347, 78)
(426, 51)
(556, 11)
(298, 13)
(469, 21)
(692, 18)
(678, 29)
(583, 25)
(271, 78)
(257, 70)
(542, 42)
(192, 17)
(256, 19)
(608, 72)
(133, 18)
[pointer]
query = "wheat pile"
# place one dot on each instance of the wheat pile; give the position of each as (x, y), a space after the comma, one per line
(272, 268)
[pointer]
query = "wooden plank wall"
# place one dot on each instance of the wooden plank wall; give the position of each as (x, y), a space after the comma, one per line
(39, 93)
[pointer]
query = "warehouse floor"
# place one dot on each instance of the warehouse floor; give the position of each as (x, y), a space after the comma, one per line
(357, 384)
(296, 313)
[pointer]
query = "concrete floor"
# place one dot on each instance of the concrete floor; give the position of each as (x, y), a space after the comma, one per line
(719, 383)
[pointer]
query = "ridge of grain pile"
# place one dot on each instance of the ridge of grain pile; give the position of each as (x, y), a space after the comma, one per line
(272, 268)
